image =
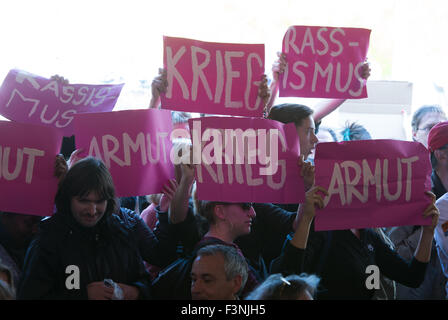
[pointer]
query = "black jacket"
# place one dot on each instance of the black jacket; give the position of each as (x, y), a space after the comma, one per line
(342, 263)
(106, 251)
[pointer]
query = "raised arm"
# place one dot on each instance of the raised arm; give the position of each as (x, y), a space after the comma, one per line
(278, 67)
(423, 251)
(158, 86)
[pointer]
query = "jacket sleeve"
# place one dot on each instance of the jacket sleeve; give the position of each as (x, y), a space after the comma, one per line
(148, 244)
(42, 278)
(405, 239)
(290, 260)
(393, 266)
(143, 283)
(293, 260)
(184, 234)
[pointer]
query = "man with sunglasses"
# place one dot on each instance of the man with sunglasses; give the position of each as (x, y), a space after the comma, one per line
(226, 221)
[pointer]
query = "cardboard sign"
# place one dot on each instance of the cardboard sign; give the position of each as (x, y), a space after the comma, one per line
(134, 145)
(28, 98)
(372, 183)
(213, 78)
(246, 160)
(324, 62)
(27, 160)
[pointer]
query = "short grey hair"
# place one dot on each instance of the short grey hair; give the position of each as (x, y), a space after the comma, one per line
(234, 263)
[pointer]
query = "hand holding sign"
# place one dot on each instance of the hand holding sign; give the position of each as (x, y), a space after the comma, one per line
(158, 86)
(306, 214)
(169, 190)
(312, 200)
(433, 212)
(60, 167)
(307, 172)
(279, 66)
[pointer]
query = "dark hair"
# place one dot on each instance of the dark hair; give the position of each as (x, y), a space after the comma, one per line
(421, 112)
(86, 175)
(277, 287)
(354, 131)
(288, 112)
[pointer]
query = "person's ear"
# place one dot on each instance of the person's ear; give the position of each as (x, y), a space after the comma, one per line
(237, 282)
(219, 211)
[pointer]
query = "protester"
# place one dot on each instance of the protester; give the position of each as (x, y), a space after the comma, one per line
(423, 120)
(219, 272)
(84, 236)
(354, 131)
(292, 287)
(441, 237)
(16, 233)
(405, 238)
(17, 230)
(227, 221)
(340, 257)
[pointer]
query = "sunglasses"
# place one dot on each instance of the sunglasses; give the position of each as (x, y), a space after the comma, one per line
(246, 205)
(243, 205)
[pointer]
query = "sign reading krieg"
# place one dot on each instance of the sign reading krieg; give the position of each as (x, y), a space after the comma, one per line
(246, 160)
(324, 62)
(28, 98)
(214, 78)
(372, 183)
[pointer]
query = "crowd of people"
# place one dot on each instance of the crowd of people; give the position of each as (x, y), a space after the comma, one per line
(175, 246)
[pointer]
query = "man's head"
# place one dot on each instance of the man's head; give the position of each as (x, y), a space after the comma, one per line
(87, 192)
(301, 116)
(235, 217)
(423, 120)
(438, 145)
(218, 273)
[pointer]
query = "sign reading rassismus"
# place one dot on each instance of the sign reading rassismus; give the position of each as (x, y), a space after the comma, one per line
(29, 98)
(324, 62)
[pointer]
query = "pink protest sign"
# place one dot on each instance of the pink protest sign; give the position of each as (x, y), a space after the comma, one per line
(324, 62)
(372, 183)
(27, 160)
(214, 78)
(28, 98)
(134, 144)
(246, 160)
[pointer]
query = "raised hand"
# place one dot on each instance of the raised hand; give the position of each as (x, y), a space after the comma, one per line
(158, 85)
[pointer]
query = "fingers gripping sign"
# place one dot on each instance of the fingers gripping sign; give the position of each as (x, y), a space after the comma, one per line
(431, 211)
(168, 194)
(307, 171)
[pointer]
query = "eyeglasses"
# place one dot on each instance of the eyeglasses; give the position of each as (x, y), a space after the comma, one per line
(427, 128)
(243, 205)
